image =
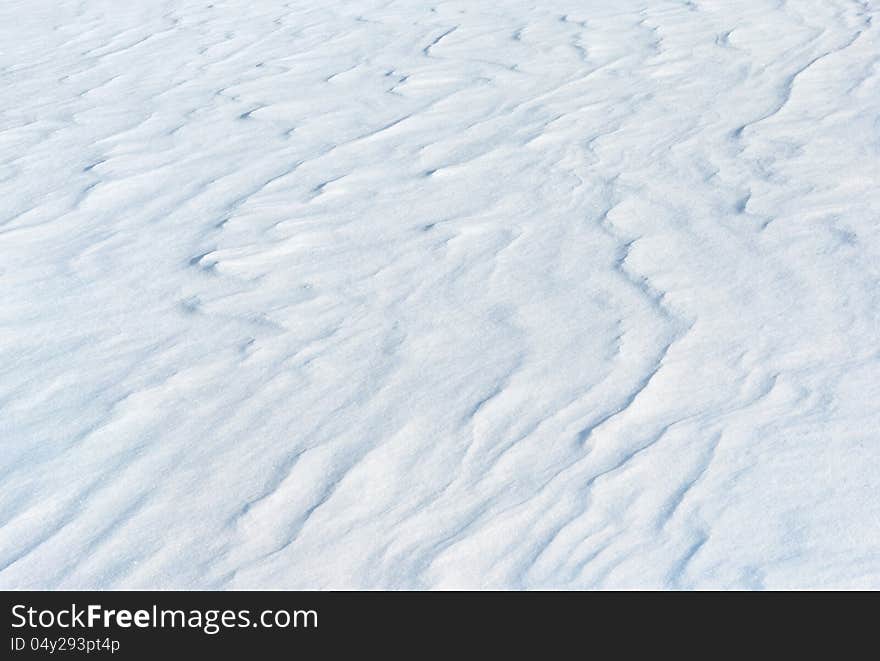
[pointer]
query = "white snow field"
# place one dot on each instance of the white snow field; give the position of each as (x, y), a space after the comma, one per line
(440, 294)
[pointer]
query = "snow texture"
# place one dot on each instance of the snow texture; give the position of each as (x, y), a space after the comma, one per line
(439, 294)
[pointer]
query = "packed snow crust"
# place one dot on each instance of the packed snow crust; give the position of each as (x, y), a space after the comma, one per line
(439, 294)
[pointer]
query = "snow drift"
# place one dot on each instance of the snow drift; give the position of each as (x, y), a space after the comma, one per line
(413, 294)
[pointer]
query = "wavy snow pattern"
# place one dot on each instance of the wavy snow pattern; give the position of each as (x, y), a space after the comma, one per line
(435, 295)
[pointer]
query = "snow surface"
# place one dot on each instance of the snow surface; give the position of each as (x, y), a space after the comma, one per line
(411, 294)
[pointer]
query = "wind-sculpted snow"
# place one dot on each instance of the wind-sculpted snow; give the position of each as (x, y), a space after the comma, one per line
(414, 294)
